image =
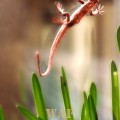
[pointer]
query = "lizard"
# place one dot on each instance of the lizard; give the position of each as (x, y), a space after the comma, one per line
(69, 21)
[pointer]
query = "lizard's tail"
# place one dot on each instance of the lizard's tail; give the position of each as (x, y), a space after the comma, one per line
(38, 66)
(55, 44)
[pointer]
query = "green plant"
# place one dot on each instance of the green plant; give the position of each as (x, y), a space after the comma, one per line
(115, 91)
(89, 106)
(65, 93)
(89, 102)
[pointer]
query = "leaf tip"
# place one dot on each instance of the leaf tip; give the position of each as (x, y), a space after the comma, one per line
(118, 38)
(33, 74)
(113, 66)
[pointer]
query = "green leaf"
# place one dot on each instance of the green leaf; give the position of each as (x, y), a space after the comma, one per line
(93, 92)
(2, 116)
(118, 37)
(92, 108)
(64, 75)
(84, 116)
(85, 96)
(85, 109)
(66, 96)
(38, 98)
(115, 92)
(27, 113)
(113, 67)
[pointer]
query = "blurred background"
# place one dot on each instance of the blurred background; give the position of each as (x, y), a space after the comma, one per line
(86, 52)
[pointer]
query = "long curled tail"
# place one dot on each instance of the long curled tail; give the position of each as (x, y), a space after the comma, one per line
(38, 65)
(55, 44)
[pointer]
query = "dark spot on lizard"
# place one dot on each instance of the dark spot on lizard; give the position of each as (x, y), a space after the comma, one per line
(71, 23)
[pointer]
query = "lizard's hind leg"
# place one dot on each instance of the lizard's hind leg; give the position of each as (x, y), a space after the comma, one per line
(61, 11)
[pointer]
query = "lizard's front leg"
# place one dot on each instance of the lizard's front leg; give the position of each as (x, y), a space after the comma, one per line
(99, 10)
(61, 11)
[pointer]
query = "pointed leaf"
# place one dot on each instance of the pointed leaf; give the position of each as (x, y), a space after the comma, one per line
(92, 108)
(26, 113)
(115, 92)
(85, 96)
(93, 92)
(65, 93)
(113, 67)
(85, 109)
(64, 75)
(38, 98)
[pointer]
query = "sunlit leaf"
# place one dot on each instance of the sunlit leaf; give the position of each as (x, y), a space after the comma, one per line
(65, 93)
(38, 98)
(115, 92)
